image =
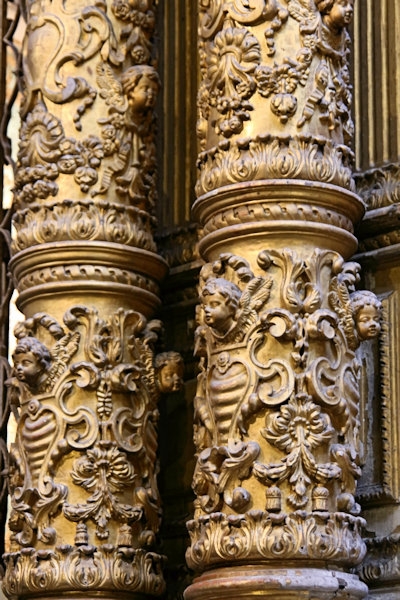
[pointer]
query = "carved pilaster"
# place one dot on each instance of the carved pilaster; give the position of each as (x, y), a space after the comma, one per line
(86, 380)
(280, 319)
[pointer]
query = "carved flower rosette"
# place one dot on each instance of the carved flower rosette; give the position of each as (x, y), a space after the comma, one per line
(84, 498)
(276, 410)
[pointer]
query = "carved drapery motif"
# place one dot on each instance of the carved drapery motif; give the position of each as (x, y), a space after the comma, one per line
(291, 59)
(85, 452)
(277, 407)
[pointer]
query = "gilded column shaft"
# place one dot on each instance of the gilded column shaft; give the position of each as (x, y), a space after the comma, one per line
(86, 378)
(280, 319)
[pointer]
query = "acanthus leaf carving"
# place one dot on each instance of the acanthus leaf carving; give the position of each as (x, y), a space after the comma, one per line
(307, 398)
(103, 470)
(219, 471)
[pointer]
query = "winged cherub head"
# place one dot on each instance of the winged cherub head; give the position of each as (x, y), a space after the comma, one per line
(31, 360)
(220, 301)
(141, 85)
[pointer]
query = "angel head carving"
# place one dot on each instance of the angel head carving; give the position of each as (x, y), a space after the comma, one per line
(336, 14)
(32, 361)
(169, 371)
(367, 311)
(141, 84)
(220, 301)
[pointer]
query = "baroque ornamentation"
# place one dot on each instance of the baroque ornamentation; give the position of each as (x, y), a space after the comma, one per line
(85, 272)
(108, 440)
(259, 535)
(245, 64)
(83, 567)
(379, 187)
(278, 378)
(272, 157)
(83, 220)
(382, 563)
(120, 83)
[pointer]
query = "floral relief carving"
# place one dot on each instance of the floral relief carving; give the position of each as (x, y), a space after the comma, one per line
(103, 470)
(248, 71)
(232, 60)
(249, 536)
(45, 152)
(84, 220)
(302, 407)
(298, 429)
(120, 84)
(269, 157)
(108, 440)
(84, 567)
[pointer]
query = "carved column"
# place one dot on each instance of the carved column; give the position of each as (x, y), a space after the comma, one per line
(85, 508)
(279, 321)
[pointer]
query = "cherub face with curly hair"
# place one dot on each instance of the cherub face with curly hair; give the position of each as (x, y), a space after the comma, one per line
(31, 359)
(338, 13)
(367, 322)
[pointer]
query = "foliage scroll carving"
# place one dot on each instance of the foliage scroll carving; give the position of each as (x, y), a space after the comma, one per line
(252, 81)
(279, 379)
(104, 445)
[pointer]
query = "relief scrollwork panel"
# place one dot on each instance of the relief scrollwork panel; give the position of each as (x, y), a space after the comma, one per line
(276, 410)
(100, 64)
(380, 481)
(85, 397)
(268, 64)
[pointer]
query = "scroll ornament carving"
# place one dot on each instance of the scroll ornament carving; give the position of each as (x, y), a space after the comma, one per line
(272, 157)
(276, 410)
(244, 63)
(118, 151)
(379, 187)
(83, 220)
(108, 438)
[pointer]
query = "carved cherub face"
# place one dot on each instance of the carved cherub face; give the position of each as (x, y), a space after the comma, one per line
(367, 322)
(169, 367)
(220, 301)
(141, 85)
(27, 367)
(340, 15)
(31, 359)
(144, 95)
(218, 313)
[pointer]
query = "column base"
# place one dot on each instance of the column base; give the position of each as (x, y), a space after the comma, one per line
(265, 582)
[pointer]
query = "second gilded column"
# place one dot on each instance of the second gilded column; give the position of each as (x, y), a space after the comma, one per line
(280, 318)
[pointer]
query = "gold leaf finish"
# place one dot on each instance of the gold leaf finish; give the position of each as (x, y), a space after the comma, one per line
(88, 367)
(280, 317)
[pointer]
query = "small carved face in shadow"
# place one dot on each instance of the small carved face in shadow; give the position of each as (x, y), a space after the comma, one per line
(169, 367)
(367, 310)
(141, 86)
(367, 322)
(31, 359)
